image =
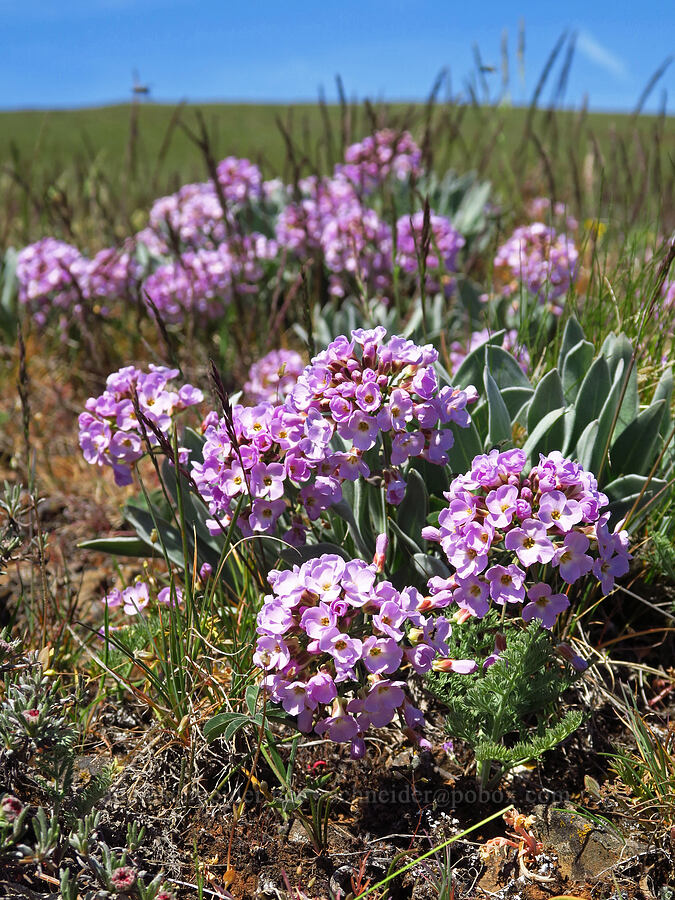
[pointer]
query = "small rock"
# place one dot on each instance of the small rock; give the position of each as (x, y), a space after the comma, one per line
(341, 881)
(584, 849)
(297, 834)
(402, 760)
(267, 886)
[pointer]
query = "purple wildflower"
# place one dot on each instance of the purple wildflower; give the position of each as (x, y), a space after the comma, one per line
(544, 605)
(571, 557)
(530, 543)
(544, 261)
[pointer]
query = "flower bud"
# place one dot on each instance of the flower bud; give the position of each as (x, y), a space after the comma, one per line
(566, 651)
(123, 878)
(381, 545)
(31, 717)
(460, 666)
(10, 808)
(461, 616)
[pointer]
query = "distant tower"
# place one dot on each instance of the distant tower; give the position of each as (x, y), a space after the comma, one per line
(139, 90)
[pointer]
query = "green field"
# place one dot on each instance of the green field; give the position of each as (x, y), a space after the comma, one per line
(119, 158)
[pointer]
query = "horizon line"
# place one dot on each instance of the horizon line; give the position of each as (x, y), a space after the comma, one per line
(398, 101)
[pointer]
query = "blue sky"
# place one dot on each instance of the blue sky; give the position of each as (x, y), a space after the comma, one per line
(83, 52)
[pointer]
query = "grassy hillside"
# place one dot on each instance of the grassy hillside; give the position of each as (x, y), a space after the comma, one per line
(116, 159)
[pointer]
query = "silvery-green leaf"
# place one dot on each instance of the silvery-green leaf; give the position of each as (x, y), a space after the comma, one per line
(586, 449)
(514, 398)
(430, 566)
(504, 368)
(606, 419)
(546, 436)
(471, 368)
(409, 540)
(167, 537)
(590, 399)
(636, 448)
(616, 349)
(121, 546)
(499, 420)
(577, 363)
(9, 280)
(298, 555)
(623, 494)
(664, 391)
(195, 511)
(343, 510)
(572, 334)
(414, 508)
(194, 443)
(548, 396)
(467, 445)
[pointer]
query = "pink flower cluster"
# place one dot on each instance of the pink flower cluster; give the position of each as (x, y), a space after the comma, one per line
(54, 276)
(111, 275)
(274, 450)
(194, 215)
(370, 162)
(371, 389)
(332, 640)
(240, 180)
(110, 434)
(331, 219)
(204, 281)
(444, 246)
(544, 261)
(509, 532)
(365, 390)
(459, 351)
(136, 597)
(355, 243)
(273, 376)
(540, 208)
(46, 281)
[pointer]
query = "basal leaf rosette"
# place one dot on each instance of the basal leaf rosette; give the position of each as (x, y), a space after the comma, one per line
(520, 537)
(332, 640)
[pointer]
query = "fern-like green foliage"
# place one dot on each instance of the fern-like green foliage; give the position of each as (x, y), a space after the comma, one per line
(82, 803)
(507, 713)
(661, 553)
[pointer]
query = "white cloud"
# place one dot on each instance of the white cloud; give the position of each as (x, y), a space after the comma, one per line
(601, 56)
